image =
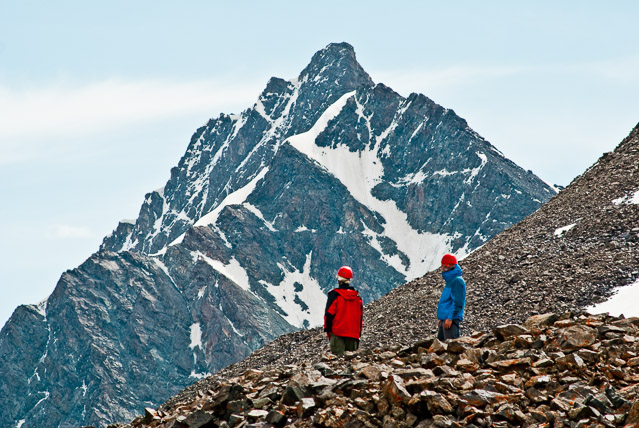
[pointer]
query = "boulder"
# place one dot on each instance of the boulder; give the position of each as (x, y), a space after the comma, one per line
(577, 337)
(539, 321)
(395, 391)
(436, 403)
(508, 330)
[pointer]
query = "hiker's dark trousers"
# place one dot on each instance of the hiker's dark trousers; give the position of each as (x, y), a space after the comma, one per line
(341, 344)
(452, 333)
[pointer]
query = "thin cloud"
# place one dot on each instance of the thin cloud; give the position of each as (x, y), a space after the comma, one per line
(35, 115)
(447, 77)
(622, 70)
(64, 231)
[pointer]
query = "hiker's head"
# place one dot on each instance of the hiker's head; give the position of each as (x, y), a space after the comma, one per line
(448, 262)
(344, 275)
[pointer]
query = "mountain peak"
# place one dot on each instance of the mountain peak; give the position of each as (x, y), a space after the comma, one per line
(336, 62)
(342, 48)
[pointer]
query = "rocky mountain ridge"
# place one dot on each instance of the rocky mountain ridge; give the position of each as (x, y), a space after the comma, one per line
(568, 255)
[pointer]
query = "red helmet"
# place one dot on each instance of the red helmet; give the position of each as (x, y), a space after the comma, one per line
(449, 259)
(345, 272)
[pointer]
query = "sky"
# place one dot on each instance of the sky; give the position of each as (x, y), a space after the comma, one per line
(98, 100)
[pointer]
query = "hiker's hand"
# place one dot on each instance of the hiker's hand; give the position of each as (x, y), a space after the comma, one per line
(448, 324)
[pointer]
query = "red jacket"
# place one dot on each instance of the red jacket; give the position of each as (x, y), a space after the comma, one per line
(343, 315)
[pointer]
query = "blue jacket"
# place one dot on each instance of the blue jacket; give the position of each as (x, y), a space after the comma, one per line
(453, 299)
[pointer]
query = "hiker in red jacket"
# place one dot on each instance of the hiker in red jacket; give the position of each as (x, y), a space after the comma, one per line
(343, 315)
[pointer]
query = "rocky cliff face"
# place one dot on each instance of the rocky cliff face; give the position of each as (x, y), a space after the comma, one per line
(242, 243)
(114, 331)
(377, 163)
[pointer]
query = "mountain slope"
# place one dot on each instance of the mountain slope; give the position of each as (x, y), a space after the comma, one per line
(569, 370)
(531, 268)
(242, 243)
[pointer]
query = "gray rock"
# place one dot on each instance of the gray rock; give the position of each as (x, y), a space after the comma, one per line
(577, 337)
(198, 419)
(536, 396)
(292, 394)
(276, 418)
(436, 403)
(539, 321)
(395, 390)
(272, 393)
(482, 397)
(506, 331)
(306, 407)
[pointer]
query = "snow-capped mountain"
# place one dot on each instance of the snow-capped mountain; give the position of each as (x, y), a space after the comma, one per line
(408, 177)
(243, 242)
(561, 367)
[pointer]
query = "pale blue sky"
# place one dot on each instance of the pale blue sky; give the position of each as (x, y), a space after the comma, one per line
(98, 100)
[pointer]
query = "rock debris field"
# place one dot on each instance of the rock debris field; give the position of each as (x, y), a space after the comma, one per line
(570, 370)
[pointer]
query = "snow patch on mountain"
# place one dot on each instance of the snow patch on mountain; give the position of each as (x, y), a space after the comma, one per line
(471, 172)
(110, 265)
(199, 376)
(196, 336)
(236, 198)
(42, 308)
(360, 172)
(297, 288)
(475, 171)
(415, 178)
(561, 230)
(393, 260)
(233, 270)
(202, 291)
(624, 302)
(628, 199)
(258, 214)
(445, 173)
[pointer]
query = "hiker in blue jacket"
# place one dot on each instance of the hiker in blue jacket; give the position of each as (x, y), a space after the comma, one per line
(450, 310)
